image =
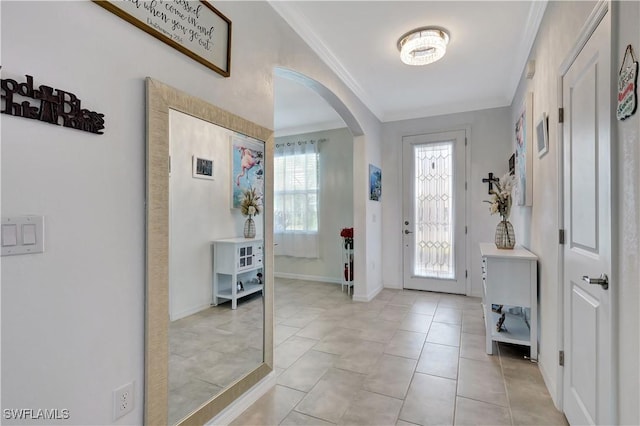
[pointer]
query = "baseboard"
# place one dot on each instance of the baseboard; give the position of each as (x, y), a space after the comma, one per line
(189, 311)
(549, 383)
(475, 294)
(395, 286)
(369, 297)
(307, 277)
(238, 407)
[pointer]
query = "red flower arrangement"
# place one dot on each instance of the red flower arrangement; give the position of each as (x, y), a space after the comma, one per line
(347, 235)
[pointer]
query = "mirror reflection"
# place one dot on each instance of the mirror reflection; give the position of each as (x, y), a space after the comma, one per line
(216, 308)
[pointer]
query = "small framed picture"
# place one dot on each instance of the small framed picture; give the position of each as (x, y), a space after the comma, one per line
(542, 131)
(375, 183)
(202, 168)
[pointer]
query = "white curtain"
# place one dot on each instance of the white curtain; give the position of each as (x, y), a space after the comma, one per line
(296, 198)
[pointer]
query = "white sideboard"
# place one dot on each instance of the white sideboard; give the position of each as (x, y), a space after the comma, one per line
(236, 260)
(510, 279)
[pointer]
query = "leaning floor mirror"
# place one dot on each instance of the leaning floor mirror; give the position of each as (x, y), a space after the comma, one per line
(209, 286)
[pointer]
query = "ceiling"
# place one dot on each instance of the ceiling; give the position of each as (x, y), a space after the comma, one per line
(487, 53)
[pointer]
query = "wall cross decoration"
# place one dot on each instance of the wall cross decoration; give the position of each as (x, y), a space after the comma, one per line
(490, 180)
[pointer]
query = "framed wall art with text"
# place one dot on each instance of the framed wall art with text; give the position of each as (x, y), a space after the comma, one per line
(195, 28)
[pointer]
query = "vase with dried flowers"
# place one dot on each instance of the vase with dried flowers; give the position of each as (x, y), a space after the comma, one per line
(250, 206)
(500, 203)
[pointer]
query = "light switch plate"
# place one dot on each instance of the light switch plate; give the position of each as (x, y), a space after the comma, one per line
(9, 235)
(29, 233)
(29, 242)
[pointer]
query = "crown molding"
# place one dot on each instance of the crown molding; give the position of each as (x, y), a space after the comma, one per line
(301, 26)
(310, 128)
(536, 13)
(445, 109)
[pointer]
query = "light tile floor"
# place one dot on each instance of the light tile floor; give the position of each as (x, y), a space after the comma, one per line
(210, 350)
(405, 358)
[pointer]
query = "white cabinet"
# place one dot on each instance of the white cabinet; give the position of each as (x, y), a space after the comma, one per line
(236, 263)
(510, 281)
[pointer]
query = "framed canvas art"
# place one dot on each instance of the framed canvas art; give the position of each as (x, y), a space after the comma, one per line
(375, 183)
(247, 156)
(524, 153)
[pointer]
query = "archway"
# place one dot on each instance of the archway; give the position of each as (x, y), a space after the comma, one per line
(357, 182)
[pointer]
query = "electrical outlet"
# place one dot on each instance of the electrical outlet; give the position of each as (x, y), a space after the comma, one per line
(122, 400)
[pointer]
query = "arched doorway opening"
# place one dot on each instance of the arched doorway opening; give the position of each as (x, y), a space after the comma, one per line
(305, 111)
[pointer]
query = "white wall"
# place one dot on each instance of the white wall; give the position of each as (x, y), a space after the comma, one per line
(200, 210)
(489, 148)
(336, 207)
(373, 222)
(537, 226)
(625, 20)
(73, 317)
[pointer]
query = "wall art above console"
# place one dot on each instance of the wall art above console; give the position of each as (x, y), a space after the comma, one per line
(54, 106)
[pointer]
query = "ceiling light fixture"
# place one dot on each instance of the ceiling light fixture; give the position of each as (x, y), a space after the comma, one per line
(423, 46)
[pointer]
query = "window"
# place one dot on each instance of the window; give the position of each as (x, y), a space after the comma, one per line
(296, 193)
(296, 198)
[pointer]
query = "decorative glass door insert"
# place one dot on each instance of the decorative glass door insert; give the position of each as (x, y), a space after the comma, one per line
(434, 244)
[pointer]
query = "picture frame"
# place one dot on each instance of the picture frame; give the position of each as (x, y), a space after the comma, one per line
(247, 160)
(542, 135)
(202, 168)
(524, 153)
(375, 183)
(196, 29)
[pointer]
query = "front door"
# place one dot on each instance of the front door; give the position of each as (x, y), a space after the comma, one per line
(434, 240)
(588, 372)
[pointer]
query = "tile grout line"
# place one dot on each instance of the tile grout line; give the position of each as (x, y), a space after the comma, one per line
(414, 368)
(413, 375)
(504, 383)
(455, 398)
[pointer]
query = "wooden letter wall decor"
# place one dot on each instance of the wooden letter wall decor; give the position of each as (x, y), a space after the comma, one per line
(55, 106)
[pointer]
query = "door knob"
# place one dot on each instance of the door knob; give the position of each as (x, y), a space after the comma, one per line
(406, 231)
(603, 280)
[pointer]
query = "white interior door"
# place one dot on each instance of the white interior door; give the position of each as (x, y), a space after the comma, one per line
(434, 232)
(588, 371)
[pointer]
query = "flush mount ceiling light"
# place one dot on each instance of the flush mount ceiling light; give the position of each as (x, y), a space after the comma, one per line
(423, 46)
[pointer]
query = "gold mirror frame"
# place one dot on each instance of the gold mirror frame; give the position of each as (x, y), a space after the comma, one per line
(160, 99)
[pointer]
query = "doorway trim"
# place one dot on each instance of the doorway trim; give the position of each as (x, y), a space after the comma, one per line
(466, 128)
(598, 13)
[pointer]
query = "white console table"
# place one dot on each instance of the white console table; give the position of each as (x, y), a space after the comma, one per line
(234, 260)
(510, 279)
